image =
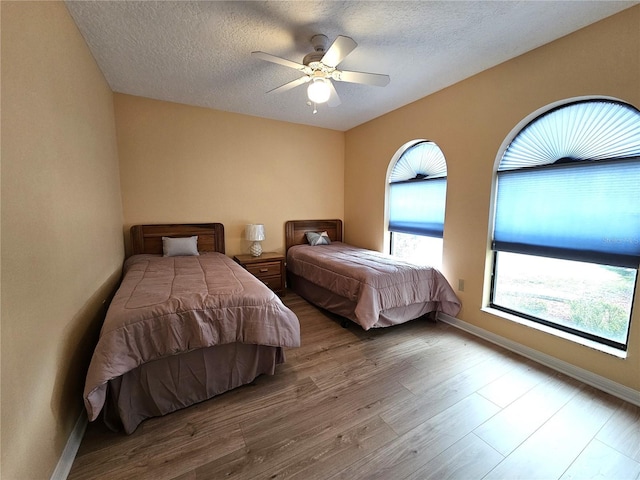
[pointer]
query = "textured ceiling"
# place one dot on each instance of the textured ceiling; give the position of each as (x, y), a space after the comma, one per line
(199, 53)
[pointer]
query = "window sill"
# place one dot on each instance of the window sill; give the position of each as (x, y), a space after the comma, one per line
(557, 333)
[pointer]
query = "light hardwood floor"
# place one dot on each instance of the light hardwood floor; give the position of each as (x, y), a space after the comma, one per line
(421, 400)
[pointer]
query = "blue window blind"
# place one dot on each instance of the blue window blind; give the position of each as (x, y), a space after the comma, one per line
(417, 207)
(562, 194)
(417, 191)
(588, 212)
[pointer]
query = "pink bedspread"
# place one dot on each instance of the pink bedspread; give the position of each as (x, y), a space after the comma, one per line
(373, 280)
(170, 305)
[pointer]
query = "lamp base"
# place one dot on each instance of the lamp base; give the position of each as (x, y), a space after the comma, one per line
(255, 249)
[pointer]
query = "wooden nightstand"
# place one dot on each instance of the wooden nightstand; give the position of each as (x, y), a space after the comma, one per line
(268, 268)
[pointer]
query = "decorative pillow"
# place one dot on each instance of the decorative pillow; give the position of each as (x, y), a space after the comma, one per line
(318, 238)
(183, 246)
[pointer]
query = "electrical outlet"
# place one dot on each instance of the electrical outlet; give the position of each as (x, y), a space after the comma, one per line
(460, 285)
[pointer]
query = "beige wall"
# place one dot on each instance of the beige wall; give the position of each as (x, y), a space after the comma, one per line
(62, 244)
(181, 164)
(469, 121)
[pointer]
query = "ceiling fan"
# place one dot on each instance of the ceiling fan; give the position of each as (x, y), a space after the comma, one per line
(319, 68)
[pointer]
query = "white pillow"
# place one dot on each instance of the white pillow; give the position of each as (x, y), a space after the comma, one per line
(183, 246)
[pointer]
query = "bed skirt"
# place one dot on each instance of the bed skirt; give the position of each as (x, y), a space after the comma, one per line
(171, 383)
(346, 308)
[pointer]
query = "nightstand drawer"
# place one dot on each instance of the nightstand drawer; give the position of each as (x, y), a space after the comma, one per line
(274, 283)
(268, 268)
(265, 269)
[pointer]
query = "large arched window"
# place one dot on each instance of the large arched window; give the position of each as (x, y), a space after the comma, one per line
(567, 220)
(417, 192)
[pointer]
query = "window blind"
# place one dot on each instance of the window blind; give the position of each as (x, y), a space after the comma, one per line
(423, 158)
(569, 185)
(417, 207)
(417, 191)
(583, 130)
(587, 211)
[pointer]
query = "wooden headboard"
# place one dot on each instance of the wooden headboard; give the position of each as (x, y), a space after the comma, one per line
(295, 230)
(148, 238)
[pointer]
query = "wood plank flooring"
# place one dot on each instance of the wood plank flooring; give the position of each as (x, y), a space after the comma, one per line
(421, 400)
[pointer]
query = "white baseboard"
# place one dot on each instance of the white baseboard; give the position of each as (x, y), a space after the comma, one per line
(616, 389)
(71, 448)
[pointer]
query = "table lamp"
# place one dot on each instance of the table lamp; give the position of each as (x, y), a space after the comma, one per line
(255, 233)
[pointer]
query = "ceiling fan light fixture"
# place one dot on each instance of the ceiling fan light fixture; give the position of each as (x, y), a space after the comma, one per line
(319, 90)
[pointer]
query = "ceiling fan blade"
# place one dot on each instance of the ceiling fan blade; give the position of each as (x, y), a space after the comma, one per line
(334, 99)
(339, 49)
(375, 79)
(291, 84)
(280, 61)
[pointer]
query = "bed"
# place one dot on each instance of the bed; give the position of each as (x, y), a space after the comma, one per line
(367, 287)
(182, 329)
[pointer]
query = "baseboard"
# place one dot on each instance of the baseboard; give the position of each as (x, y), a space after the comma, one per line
(621, 391)
(71, 448)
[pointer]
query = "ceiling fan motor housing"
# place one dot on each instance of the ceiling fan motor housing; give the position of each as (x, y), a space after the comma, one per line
(312, 57)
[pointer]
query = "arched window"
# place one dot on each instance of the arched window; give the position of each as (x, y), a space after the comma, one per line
(567, 220)
(417, 192)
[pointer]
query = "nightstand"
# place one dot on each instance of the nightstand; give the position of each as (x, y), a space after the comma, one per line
(268, 268)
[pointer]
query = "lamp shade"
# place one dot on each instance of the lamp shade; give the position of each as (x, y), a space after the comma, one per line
(255, 232)
(319, 90)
